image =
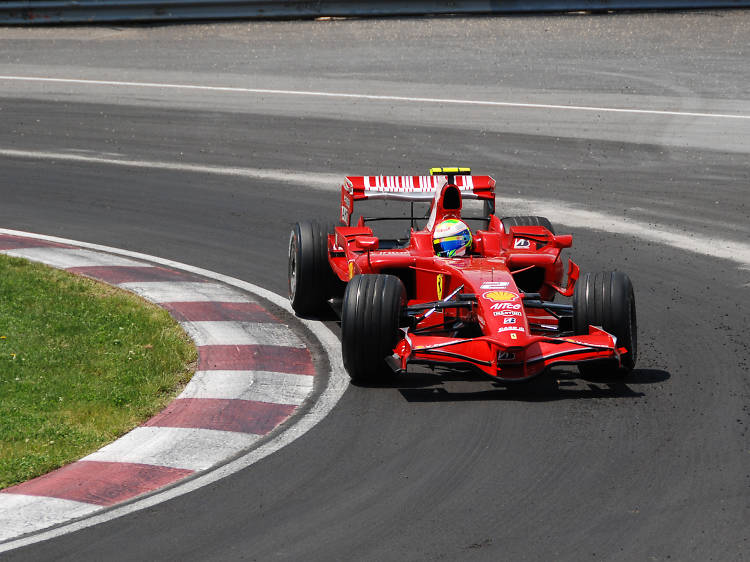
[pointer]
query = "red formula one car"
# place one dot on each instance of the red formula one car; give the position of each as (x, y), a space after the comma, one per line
(446, 295)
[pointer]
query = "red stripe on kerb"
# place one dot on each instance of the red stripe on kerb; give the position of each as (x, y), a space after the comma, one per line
(255, 358)
(245, 416)
(100, 483)
(129, 274)
(205, 311)
(10, 242)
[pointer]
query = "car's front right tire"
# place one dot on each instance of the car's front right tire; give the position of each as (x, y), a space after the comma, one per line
(606, 299)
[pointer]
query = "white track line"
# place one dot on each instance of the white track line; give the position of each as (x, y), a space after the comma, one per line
(569, 215)
(287, 176)
(337, 383)
(559, 212)
(372, 97)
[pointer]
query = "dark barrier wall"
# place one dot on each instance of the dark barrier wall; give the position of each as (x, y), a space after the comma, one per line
(31, 12)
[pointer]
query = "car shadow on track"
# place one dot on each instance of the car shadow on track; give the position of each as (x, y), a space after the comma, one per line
(561, 385)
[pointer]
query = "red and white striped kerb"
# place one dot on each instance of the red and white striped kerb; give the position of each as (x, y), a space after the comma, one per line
(253, 373)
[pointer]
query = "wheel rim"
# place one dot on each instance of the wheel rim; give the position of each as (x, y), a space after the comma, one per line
(292, 268)
(633, 328)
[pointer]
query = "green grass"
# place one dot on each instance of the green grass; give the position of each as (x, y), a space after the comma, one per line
(81, 363)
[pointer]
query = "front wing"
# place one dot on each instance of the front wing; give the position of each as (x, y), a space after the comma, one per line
(527, 359)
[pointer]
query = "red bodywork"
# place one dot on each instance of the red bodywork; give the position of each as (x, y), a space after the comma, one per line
(509, 338)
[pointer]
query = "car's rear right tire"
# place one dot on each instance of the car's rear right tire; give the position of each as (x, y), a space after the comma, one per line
(526, 221)
(606, 299)
(370, 317)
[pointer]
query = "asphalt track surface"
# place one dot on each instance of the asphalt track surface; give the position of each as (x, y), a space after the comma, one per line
(656, 467)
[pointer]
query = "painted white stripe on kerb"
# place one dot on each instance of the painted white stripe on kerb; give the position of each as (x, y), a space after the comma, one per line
(20, 514)
(261, 386)
(374, 97)
(241, 333)
(186, 291)
(64, 258)
(175, 447)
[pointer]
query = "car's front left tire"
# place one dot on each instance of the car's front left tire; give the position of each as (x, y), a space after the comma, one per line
(370, 318)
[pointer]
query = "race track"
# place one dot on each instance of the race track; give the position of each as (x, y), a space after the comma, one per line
(653, 468)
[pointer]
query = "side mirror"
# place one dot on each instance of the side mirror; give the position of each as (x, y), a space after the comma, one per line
(563, 241)
(368, 243)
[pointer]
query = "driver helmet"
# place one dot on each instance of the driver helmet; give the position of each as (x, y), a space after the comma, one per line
(451, 238)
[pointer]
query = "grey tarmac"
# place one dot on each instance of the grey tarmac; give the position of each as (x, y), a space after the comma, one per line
(655, 467)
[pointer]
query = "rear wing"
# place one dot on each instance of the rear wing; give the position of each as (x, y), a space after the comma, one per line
(410, 188)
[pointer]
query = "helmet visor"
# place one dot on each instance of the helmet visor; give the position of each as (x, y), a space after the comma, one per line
(448, 246)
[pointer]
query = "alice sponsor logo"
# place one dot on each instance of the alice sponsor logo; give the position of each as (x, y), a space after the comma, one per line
(506, 306)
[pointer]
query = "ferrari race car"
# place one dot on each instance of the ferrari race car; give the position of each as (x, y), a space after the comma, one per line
(448, 296)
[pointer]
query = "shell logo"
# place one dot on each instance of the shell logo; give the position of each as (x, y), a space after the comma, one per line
(351, 269)
(500, 296)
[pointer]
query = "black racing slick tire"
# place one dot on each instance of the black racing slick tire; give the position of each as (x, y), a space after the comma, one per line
(311, 279)
(606, 299)
(370, 318)
(526, 221)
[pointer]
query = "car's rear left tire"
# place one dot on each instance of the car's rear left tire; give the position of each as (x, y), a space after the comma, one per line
(606, 299)
(370, 317)
(310, 277)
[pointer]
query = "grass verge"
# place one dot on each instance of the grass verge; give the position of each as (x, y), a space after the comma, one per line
(81, 363)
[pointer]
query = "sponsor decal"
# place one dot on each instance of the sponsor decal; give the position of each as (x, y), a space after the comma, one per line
(351, 269)
(481, 322)
(346, 207)
(440, 278)
(508, 313)
(509, 320)
(521, 243)
(506, 306)
(505, 356)
(499, 296)
(489, 285)
(511, 329)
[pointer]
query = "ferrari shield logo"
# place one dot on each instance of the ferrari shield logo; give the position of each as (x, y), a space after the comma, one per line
(440, 278)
